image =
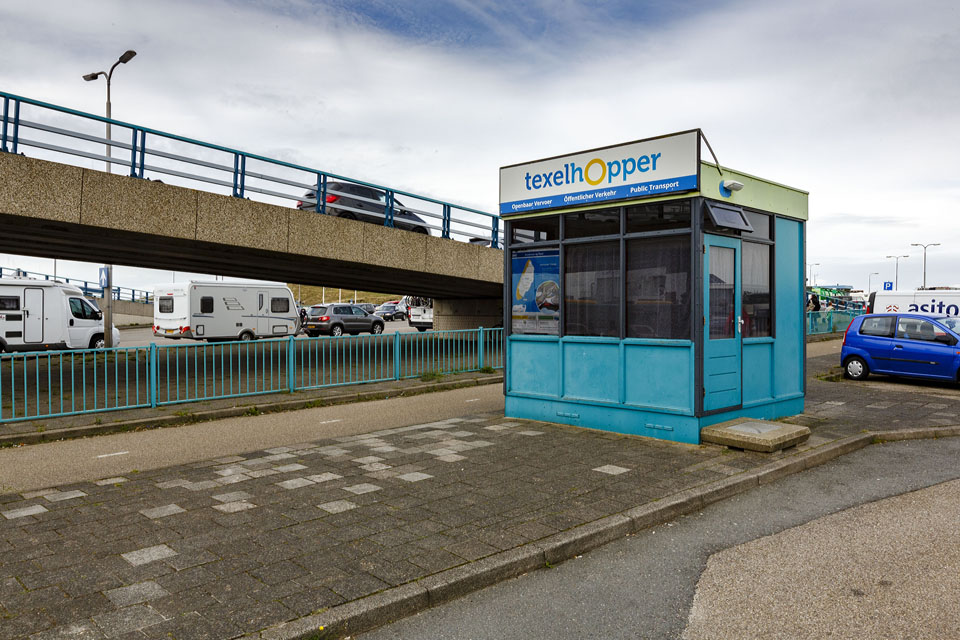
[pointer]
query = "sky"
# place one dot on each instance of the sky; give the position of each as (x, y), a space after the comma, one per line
(855, 101)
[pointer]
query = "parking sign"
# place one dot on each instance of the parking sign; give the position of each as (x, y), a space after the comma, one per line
(888, 286)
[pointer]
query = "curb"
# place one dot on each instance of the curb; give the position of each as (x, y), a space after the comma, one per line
(398, 602)
(156, 422)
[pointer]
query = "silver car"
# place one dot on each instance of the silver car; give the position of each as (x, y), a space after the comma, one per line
(338, 319)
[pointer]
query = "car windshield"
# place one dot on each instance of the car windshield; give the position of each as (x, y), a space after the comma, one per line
(951, 323)
(316, 312)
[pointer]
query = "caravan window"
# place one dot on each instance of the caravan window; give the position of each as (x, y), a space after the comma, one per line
(279, 305)
(9, 303)
(165, 304)
(206, 304)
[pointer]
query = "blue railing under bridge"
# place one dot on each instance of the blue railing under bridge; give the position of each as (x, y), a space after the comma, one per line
(49, 384)
(71, 136)
(88, 288)
(820, 322)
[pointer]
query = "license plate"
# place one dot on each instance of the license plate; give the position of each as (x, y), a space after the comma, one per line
(170, 331)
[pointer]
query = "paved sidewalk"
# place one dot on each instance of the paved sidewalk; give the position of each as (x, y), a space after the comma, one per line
(232, 546)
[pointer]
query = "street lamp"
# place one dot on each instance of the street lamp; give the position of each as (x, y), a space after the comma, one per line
(108, 290)
(896, 276)
(810, 269)
(869, 278)
(932, 244)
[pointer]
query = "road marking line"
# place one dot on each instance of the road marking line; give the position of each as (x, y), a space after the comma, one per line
(329, 421)
(118, 453)
(473, 400)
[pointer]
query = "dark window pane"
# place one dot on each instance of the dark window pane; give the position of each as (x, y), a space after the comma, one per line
(760, 223)
(279, 305)
(724, 216)
(658, 288)
(881, 326)
(9, 303)
(536, 229)
(316, 312)
(756, 290)
(722, 291)
(164, 304)
(206, 304)
(592, 289)
(659, 215)
(587, 224)
(76, 308)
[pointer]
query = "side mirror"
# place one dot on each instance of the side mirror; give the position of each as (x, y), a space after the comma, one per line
(947, 339)
(99, 315)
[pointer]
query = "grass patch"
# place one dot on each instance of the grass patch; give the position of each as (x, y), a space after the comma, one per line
(251, 411)
(488, 370)
(431, 376)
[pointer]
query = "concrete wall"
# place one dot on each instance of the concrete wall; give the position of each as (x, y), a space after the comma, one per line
(55, 210)
(467, 313)
(126, 312)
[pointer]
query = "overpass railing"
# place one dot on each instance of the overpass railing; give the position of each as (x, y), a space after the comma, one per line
(51, 384)
(88, 288)
(75, 137)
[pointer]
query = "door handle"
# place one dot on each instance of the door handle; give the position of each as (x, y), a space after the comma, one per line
(71, 322)
(740, 324)
(898, 346)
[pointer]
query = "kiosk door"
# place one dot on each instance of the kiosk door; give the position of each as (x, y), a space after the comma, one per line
(722, 323)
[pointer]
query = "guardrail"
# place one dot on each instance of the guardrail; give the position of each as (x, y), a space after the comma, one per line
(63, 133)
(50, 384)
(88, 288)
(819, 322)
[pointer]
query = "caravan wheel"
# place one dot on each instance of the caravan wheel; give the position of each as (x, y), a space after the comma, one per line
(246, 335)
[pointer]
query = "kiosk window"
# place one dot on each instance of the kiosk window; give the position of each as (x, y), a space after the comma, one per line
(9, 303)
(760, 223)
(661, 215)
(658, 288)
(279, 305)
(536, 229)
(722, 287)
(206, 304)
(727, 217)
(165, 304)
(592, 289)
(757, 320)
(586, 224)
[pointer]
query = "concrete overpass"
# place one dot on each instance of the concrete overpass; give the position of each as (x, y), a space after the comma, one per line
(55, 210)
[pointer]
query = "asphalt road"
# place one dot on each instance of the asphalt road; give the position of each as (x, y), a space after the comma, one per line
(643, 586)
(56, 463)
(144, 336)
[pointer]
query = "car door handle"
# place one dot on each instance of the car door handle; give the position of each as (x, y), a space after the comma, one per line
(71, 322)
(898, 346)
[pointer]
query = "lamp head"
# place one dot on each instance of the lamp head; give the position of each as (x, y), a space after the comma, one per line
(127, 56)
(732, 185)
(91, 76)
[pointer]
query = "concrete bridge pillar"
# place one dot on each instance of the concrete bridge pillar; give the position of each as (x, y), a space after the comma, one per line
(468, 313)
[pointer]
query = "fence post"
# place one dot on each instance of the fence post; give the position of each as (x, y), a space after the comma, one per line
(396, 355)
(480, 349)
(831, 322)
(291, 364)
(153, 374)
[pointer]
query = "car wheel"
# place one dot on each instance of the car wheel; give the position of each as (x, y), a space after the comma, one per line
(97, 341)
(347, 216)
(246, 336)
(421, 328)
(337, 330)
(401, 317)
(376, 329)
(313, 334)
(856, 368)
(421, 230)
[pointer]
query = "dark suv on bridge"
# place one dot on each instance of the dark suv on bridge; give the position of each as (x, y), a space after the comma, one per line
(366, 204)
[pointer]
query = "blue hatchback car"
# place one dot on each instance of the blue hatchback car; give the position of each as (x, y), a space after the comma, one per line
(902, 344)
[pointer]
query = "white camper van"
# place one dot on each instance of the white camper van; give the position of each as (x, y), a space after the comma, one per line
(45, 314)
(223, 311)
(943, 302)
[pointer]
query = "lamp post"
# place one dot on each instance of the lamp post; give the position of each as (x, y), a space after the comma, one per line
(810, 267)
(896, 273)
(932, 244)
(869, 278)
(108, 290)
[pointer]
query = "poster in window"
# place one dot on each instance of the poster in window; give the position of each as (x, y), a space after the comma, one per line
(536, 291)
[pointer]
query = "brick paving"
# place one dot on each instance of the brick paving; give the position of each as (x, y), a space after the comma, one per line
(230, 546)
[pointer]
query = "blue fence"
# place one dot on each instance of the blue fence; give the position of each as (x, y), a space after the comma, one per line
(68, 135)
(61, 383)
(88, 288)
(819, 322)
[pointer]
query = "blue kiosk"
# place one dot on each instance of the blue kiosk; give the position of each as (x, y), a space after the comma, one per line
(648, 292)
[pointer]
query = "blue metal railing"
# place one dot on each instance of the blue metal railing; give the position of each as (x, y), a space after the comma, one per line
(229, 169)
(88, 288)
(61, 383)
(819, 322)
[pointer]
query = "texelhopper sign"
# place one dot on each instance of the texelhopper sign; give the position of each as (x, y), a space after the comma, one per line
(635, 170)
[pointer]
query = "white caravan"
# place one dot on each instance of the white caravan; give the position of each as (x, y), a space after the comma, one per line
(935, 302)
(46, 314)
(223, 311)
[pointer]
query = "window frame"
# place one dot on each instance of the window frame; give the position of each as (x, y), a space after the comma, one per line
(16, 300)
(203, 302)
(160, 304)
(285, 300)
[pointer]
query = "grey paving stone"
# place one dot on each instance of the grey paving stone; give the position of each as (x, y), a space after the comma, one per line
(162, 512)
(136, 593)
(234, 507)
(148, 554)
(109, 481)
(324, 477)
(414, 477)
(529, 433)
(337, 506)
(451, 458)
(22, 512)
(72, 631)
(287, 468)
(262, 472)
(231, 497)
(295, 483)
(60, 496)
(117, 623)
(362, 488)
(611, 469)
(38, 493)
